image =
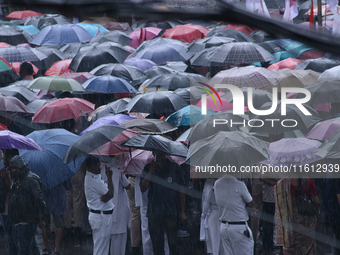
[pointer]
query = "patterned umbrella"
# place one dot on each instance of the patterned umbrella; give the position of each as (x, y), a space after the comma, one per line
(22, 14)
(186, 33)
(21, 54)
(59, 68)
(55, 83)
(324, 129)
(14, 35)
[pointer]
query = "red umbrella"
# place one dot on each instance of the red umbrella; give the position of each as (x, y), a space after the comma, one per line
(62, 109)
(186, 33)
(79, 77)
(286, 63)
(16, 67)
(59, 67)
(312, 54)
(143, 34)
(22, 14)
(3, 127)
(242, 28)
(12, 104)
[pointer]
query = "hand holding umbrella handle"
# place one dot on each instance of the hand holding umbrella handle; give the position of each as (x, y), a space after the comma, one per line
(108, 172)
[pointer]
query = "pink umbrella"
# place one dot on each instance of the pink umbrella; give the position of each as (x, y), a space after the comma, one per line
(186, 33)
(286, 63)
(16, 67)
(59, 67)
(324, 129)
(143, 34)
(79, 77)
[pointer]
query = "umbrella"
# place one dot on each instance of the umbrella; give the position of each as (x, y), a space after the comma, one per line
(178, 66)
(53, 55)
(159, 70)
(2, 44)
(290, 63)
(201, 58)
(184, 137)
(325, 91)
(108, 120)
(324, 129)
(3, 127)
(208, 42)
(94, 56)
(12, 140)
(331, 147)
(171, 82)
(114, 36)
(157, 102)
(48, 163)
(186, 33)
(24, 94)
(21, 54)
(13, 35)
(296, 78)
(22, 14)
(71, 49)
(12, 104)
(93, 139)
(135, 161)
(238, 35)
(130, 73)
(59, 68)
(239, 53)
(190, 95)
(108, 84)
(293, 151)
(55, 83)
(208, 126)
(142, 64)
(46, 20)
(261, 36)
(36, 104)
(240, 27)
(272, 46)
(143, 34)
(157, 143)
(93, 29)
(330, 74)
(163, 24)
(79, 77)
(318, 64)
(223, 105)
(118, 106)
(149, 126)
(188, 115)
(310, 54)
(61, 35)
(247, 76)
(31, 30)
(7, 75)
(62, 109)
(232, 148)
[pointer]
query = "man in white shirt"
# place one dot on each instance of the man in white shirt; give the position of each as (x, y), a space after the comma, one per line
(232, 197)
(99, 201)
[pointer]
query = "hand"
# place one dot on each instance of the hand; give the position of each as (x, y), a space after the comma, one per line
(108, 171)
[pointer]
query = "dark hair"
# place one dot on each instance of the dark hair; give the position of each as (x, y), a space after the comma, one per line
(26, 69)
(10, 152)
(90, 161)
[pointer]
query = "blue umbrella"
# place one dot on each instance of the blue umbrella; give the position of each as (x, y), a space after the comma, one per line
(93, 29)
(108, 120)
(61, 35)
(32, 30)
(108, 84)
(48, 163)
(142, 64)
(188, 115)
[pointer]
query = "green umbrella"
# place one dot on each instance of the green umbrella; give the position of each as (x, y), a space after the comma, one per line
(55, 83)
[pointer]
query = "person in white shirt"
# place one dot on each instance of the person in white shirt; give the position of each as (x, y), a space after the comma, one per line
(99, 201)
(232, 197)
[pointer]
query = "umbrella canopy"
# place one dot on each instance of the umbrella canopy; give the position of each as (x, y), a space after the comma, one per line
(247, 76)
(12, 104)
(55, 83)
(332, 73)
(31, 30)
(206, 127)
(48, 163)
(114, 36)
(157, 102)
(79, 77)
(3, 127)
(232, 148)
(21, 54)
(143, 34)
(159, 70)
(12, 140)
(190, 95)
(223, 105)
(290, 63)
(149, 126)
(324, 129)
(93, 139)
(61, 35)
(108, 120)
(261, 36)
(331, 147)
(318, 64)
(53, 56)
(13, 35)
(130, 73)
(135, 161)
(94, 56)
(239, 53)
(59, 68)
(272, 46)
(108, 84)
(157, 143)
(118, 106)
(296, 78)
(70, 50)
(186, 33)
(24, 94)
(293, 151)
(188, 115)
(93, 29)
(22, 14)
(46, 20)
(62, 109)
(325, 91)
(142, 64)
(7, 76)
(240, 27)
(163, 24)
(201, 58)
(184, 137)
(208, 42)
(238, 35)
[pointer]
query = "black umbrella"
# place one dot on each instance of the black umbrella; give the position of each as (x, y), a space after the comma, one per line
(190, 95)
(325, 91)
(272, 46)
(157, 102)
(331, 147)
(129, 73)
(156, 23)
(201, 58)
(53, 55)
(46, 20)
(318, 64)
(149, 126)
(260, 36)
(159, 70)
(238, 35)
(114, 36)
(13, 35)
(94, 56)
(25, 95)
(21, 54)
(118, 106)
(7, 77)
(71, 49)
(208, 42)
(157, 143)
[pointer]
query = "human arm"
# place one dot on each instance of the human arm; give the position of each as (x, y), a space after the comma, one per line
(109, 195)
(149, 171)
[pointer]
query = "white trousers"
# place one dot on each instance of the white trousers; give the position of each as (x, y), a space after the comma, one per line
(118, 244)
(234, 241)
(213, 233)
(101, 228)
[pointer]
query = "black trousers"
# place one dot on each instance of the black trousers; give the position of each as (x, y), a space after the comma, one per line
(267, 221)
(157, 227)
(336, 231)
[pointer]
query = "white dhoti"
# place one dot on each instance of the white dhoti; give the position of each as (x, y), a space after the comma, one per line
(118, 244)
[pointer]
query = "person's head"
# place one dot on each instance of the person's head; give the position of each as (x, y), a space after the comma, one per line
(92, 164)
(18, 167)
(8, 154)
(26, 69)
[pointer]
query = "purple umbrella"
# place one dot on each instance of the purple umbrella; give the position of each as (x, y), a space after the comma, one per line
(108, 120)
(324, 129)
(292, 151)
(12, 140)
(142, 64)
